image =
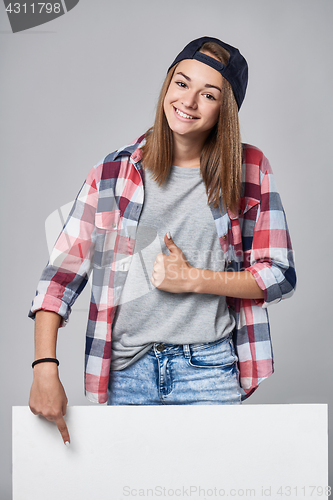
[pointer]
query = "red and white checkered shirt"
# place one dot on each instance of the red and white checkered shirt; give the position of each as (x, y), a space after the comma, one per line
(100, 235)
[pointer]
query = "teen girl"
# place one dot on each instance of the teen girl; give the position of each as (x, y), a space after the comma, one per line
(188, 242)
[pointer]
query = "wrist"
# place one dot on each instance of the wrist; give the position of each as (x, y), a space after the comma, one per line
(195, 280)
(45, 369)
(209, 282)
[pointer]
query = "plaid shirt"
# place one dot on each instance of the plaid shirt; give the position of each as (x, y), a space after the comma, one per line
(100, 234)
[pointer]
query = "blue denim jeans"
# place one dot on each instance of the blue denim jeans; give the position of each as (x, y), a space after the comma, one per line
(179, 374)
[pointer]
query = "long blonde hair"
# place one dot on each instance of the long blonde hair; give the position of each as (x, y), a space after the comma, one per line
(221, 155)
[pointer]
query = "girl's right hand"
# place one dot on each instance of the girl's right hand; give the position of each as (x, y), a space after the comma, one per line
(48, 397)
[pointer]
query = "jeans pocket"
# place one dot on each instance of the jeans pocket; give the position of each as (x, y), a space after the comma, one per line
(219, 355)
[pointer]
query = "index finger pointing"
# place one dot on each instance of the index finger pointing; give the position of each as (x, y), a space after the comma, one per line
(61, 424)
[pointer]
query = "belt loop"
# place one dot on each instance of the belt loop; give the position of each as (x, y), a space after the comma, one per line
(186, 350)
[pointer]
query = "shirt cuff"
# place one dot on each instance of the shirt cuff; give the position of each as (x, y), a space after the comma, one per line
(266, 280)
(52, 304)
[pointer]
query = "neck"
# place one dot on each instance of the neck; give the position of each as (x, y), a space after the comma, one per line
(186, 152)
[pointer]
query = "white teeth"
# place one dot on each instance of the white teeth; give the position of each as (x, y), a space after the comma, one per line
(184, 115)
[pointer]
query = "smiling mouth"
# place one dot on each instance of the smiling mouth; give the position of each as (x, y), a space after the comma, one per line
(184, 115)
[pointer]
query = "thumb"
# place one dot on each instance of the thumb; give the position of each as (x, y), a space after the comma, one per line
(170, 243)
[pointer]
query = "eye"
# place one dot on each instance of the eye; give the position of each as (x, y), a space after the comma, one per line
(210, 96)
(181, 84)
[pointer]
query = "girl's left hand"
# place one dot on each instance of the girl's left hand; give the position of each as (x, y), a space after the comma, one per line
(171, 273)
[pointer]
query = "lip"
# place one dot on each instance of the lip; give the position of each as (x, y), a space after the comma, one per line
(182, 118)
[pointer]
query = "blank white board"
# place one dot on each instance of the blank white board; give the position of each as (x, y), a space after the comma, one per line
(194, 452)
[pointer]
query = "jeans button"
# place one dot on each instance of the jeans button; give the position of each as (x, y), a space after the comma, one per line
(160, 347)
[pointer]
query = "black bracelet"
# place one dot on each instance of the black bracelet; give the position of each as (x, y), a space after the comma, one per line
(44, 360)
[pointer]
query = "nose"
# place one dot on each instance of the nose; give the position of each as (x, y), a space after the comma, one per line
(190, 100)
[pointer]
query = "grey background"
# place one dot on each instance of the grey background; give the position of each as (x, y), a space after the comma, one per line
(87, 83)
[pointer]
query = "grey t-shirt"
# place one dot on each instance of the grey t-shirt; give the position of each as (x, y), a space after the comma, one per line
(145, 314)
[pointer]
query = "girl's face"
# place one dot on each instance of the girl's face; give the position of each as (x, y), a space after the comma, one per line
(192, 102)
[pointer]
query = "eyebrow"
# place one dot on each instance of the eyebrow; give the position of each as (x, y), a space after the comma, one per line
(208, 85)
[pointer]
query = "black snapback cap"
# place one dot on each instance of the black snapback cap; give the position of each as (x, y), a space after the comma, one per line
(235, 71)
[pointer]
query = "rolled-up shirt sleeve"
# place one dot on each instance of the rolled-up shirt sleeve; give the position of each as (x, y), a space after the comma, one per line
(271, 256)
(68, 269)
